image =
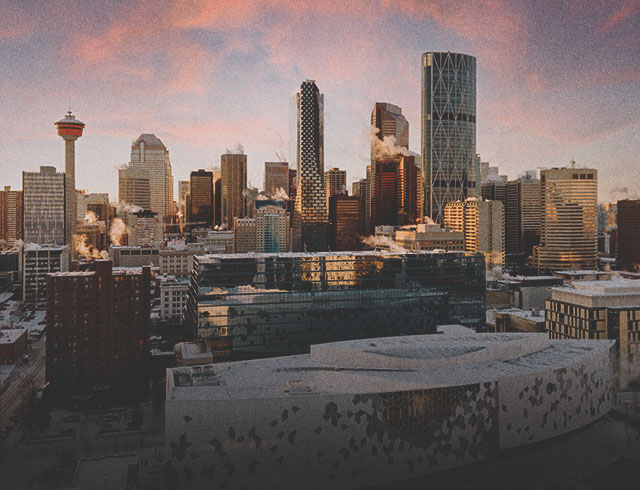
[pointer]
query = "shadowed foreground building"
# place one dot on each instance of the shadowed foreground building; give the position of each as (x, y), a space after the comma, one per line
(282, 303)
(379, 410)
(346, 222)
(98, 326)
(628, 234)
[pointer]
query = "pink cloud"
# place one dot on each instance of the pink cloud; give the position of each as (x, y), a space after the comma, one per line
(629, 9)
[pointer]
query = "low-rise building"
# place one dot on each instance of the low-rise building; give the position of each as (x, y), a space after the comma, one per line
(600, 310)
(13, 342)
(173, 297)
(134, 256)
(429, 237)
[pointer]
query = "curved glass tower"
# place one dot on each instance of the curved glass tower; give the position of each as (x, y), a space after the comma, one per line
(448, 129)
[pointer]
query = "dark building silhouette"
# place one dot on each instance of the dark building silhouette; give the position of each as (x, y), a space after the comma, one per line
(628, 239)
(98, 326)
(346, 222)
(201, 204)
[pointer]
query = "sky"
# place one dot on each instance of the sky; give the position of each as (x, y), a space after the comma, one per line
(556, 80)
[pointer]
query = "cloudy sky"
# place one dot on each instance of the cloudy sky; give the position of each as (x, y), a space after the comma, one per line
(556, 80)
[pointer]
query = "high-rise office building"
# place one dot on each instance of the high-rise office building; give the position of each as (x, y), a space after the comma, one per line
(10, 217)
(628, 256)
(244, 230)
(98, 326)
(448, 128)
(408, 183)
(276, 178)
(346, 222)
(217, 199)
(293, 183)
(234, 184)
(359, 188)
(183, 192)
(310, 218)
(482, 223)
(83, 199)
(522, 216)
(568, 219)
(147, 180)
(43, 195)
(273, 231)
(144, 228)
(37, 262)
(201, 210)
(70, 129)
(389, 141)
(335, 182)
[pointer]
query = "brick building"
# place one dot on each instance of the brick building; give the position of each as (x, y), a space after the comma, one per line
(98, 325)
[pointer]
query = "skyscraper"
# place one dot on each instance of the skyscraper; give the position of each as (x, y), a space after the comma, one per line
(70, 129)
(276, 178)
(273, 231)
(310, 214)
(183, 192)
(389, 141)
(43, 195)
(201, 208)
(522, 216)
(147, 180)
(628, 234)
(346, 222)
(448, 128)
(483, 225)
(10, 216)
(335, 182)
(234, 183)
(407, 210)
(568, 219)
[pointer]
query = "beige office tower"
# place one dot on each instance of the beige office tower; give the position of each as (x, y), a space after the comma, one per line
(83, 200)
(335, 182)
(147, 181)
(234, 183)
(244, 234)
(276, 179)
(10, 217)
(482, 223)
(568, 219)
(43, 196)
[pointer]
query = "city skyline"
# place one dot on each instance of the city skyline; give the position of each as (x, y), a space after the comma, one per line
(553, 83)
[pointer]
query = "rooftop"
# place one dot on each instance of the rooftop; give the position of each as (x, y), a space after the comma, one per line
(150, 140)
(615, 287)
(365, 253)
(9, 336)
(455, 356)
(107, 472)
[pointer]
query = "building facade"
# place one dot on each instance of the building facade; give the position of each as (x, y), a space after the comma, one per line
(276, 178)
(568, 219)
(310, 217)
(98, 326)
(374, 412)
(244, 230)
(628, 234)
(605, 309)
(482, 223)
(147, 180)
(522, 216)
(233, 185)
(134, 256)
(173, 298)
(37, 262)
(273, 230)
(335, 182)
(10, 217)
(429, 237)
(283, 303)
(201, 210)
(144, 228)
(346, 222)
(448, 129)
(43, 208)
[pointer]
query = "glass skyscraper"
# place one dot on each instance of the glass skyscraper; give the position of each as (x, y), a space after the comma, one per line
(448, 129)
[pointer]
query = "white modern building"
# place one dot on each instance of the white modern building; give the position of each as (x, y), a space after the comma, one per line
(173, 297)
(375, 411)
(38, 261)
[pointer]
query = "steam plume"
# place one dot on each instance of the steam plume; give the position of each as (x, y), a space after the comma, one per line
(382, 242)
(118, 229)
(387, 147)
(238, 149)
(90, 217)
(80, 244)
(280, 194)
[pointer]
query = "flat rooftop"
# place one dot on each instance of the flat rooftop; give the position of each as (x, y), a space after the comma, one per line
(454, 356)
(614, 287)
(365, 253)
(10, 335)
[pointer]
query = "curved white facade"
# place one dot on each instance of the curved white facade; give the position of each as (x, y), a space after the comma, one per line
(365, 412)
